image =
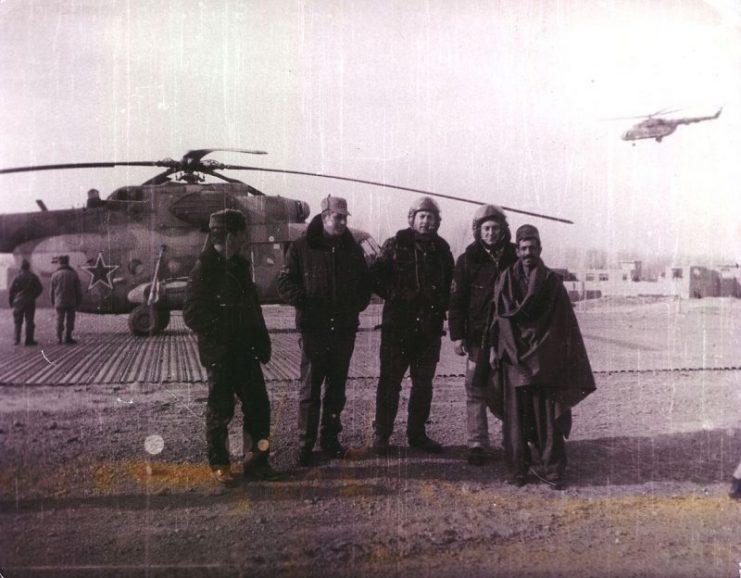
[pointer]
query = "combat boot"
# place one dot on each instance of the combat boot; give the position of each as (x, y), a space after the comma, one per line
(381, 445)
(222, 474)
(332, 448)
(476, 456)
(426, 444)
(305, 457)
(260, 470)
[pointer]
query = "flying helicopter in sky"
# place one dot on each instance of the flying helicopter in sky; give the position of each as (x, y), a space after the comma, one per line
(657, 127)
(135, 249)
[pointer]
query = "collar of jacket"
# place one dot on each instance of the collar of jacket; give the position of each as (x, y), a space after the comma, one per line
(316, 239)
(477, 253)
(210, 257)
(406, 237)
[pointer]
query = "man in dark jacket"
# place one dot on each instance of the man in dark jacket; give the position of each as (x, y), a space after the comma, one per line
(66, 297)
(476, 272)
(221, 307)
(326, 279)
(22, 296)
(541, 365)
(413, 275)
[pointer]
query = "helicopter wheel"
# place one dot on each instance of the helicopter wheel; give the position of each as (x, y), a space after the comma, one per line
(145, 321)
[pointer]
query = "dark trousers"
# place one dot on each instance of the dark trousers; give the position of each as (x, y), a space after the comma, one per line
(325, 359)
(420, 353)
(243, 378)
(65, 314)
(26, 314)
(531, 434)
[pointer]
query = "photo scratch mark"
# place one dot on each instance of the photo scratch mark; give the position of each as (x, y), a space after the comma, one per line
(50, 362)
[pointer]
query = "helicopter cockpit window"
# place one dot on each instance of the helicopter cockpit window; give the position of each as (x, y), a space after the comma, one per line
(131, 194)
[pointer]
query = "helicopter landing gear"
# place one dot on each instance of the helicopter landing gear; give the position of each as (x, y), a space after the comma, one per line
(145, 321)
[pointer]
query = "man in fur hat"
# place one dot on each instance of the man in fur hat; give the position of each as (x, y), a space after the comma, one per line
(476, 273)
(541, 368)
(413, 275)
(326, 279)
(22, 296)
(221, 307)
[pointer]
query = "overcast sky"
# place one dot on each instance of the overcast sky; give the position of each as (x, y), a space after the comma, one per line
(503, 102)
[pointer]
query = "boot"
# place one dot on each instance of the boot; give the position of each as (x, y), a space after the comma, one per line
(256, 465)
(29, 335)
(305, 457)
(380, 445)
(425, 443)
(332, 448)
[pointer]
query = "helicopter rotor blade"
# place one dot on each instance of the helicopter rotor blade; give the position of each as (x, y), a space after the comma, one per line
(665, 111)
(195, 156)
(82, 166)
(378, 184)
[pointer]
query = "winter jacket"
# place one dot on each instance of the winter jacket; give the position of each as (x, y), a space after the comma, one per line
(222, 308)
(413, 274)
(24, 290)
(326, 280)
(476, 273)
(66, 290)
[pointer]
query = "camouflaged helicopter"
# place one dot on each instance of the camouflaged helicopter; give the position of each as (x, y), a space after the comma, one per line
(657, 128)
(135, 249)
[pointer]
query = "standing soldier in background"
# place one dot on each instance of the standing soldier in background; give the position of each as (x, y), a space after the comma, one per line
(735, 493)
(413, 275)
(22, 296)
(540, 363)
(66, 297)
(476, 273)
(221, 307)
(326, 279)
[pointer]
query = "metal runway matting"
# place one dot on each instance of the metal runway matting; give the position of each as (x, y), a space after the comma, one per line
(172, 357)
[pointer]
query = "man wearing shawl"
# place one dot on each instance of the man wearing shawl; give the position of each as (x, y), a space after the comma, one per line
(540, 364)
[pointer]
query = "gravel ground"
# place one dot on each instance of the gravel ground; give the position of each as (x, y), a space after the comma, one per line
(651, 457)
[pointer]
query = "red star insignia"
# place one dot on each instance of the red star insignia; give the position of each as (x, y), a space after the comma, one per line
(100, 272)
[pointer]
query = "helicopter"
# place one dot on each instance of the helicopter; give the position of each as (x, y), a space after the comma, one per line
(657, 128)
(135, 249)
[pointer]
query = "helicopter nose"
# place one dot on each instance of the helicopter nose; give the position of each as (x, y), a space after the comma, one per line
(626, 136)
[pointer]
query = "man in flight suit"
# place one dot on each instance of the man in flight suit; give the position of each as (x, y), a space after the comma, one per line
(413, 275)
(476, 273)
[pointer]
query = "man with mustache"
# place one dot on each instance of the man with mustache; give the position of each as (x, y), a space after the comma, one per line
(541, 368)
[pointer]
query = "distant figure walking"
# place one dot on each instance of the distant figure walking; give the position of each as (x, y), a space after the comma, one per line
(540, 363)
(66, 297)
(22, 296)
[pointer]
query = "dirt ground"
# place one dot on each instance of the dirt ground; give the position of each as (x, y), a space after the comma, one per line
(650, 460)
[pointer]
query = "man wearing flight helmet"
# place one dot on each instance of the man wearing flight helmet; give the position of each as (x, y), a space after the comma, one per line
(221, 307)
(476, 272)
(413, 275)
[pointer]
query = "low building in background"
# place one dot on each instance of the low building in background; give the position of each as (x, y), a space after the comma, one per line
(626, 280)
